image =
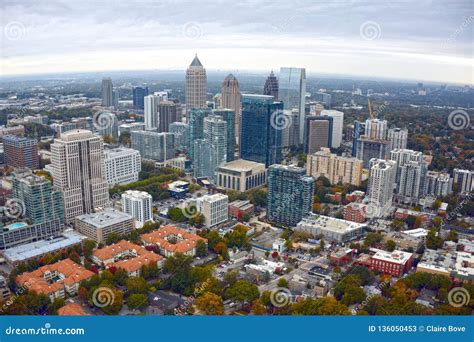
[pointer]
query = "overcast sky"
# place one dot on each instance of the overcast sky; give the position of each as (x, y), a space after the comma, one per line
(420, 40)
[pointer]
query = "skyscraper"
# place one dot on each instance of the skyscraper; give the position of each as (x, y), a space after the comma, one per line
(271, 86)
(463, 181)
(202, 161)
(167, 114)
(318, 133)
(151, 110)
(139, 94)
(77, 160)
(337, 126)
(398, 138)
(382, 175)
(196, 85)
(261, 140)
(215, 132)
(107, 92)
(139, 205)
(229, 116)
(42, 203)
(292, 92)
(373, 143)
(411, 174)
(180, 130)
(196, 127)
(153, 145)
(437, 184)
(107, 125)
(290, 194)
(21, 152)
(230, 98)
(359, 130)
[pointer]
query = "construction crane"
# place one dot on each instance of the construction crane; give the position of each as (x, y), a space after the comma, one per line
(372, 116)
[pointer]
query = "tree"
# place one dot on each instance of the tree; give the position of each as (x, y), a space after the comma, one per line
(109, 139)
(112, 238)
(88, 247)
(433, 240)
(210, 304)
(390, 245)
(258, 308)
(320, 306)
(201, 248)
(75, 257)
(452, 236)
(55, 306)
(243, 291)
(238, 237)
(352, 295)
(282, 282)
(137, 301)
(176, 214)
(136, 285)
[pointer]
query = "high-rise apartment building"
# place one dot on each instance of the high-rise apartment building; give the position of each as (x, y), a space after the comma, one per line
(138, 204)
(202, 162)
(463, 181)
(228, 115)
(167, 114)
(107, 92)
(196, 85)
(139, 94)
(151, 105)
(335, 168)
(180, 130)
(271, 86)
(122, 165)
(261, 138)
(337, 126)
(318, 133)
(41, 202)
(290, 194)
(437, 184)
(196, 127)
(215, 132)
(20, 152)
(107, 125)
(77, 162)
(230, 97)
(382, 174)
(398, 138)
(292, 92)
(411, 173)
(152, 145)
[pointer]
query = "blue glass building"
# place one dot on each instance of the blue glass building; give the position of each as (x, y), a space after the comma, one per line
(139, 94)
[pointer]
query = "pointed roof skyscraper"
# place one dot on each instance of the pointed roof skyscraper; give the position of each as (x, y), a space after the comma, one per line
(196, 85)
(196, 62)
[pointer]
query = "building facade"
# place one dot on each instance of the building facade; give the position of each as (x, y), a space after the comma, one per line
(382, 175)
(230, 95)
(196, 85)
(241, 175)
(337, 126)
(138, 204)
(214, 208)
(107, 92)
(318, 133)
(122, 165)
(20, 152)
(98, 226)
(154, 146)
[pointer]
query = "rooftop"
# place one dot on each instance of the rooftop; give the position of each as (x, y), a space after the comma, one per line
(104, 218)
(398, 257)
(242, 165)
(331, 223)
(173, 239)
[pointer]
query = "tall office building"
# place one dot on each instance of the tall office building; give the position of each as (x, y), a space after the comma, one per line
(152, 103)
(42, 203)
(138, 204)
(196, 85)
(202, 162)
(139, 94)
(167, 114)
(180, 130)
(337, 126)
(229, 117)
(20, 152)
(271, 86)
(398, 138)
(291, 133)
(122, 165)
(154, 146)
(335, 168)
(230, 97)
(382, 175)
(292, 92)
(324, 99)
(107, 92)
(196, 127)
(261, 139)
(437, 184)
(107, 125)
(290, 194)
(77, 160)
(463, 181)
(359, 130)
(318, 133)
(215, 132)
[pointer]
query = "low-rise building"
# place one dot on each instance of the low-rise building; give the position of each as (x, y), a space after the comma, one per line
(171, 240)
(355, 212)
(98, 226)
(214, 208)
(20, 233)
(333, 229)
(241, 175)
(72, 309)
(55, 280)
(395, 263)
(240, 208)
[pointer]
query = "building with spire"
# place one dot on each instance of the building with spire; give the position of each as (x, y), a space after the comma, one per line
(196, 85)
(271, 86)
(230, 98)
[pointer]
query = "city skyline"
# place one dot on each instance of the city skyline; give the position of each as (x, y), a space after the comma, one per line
(435, 46)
